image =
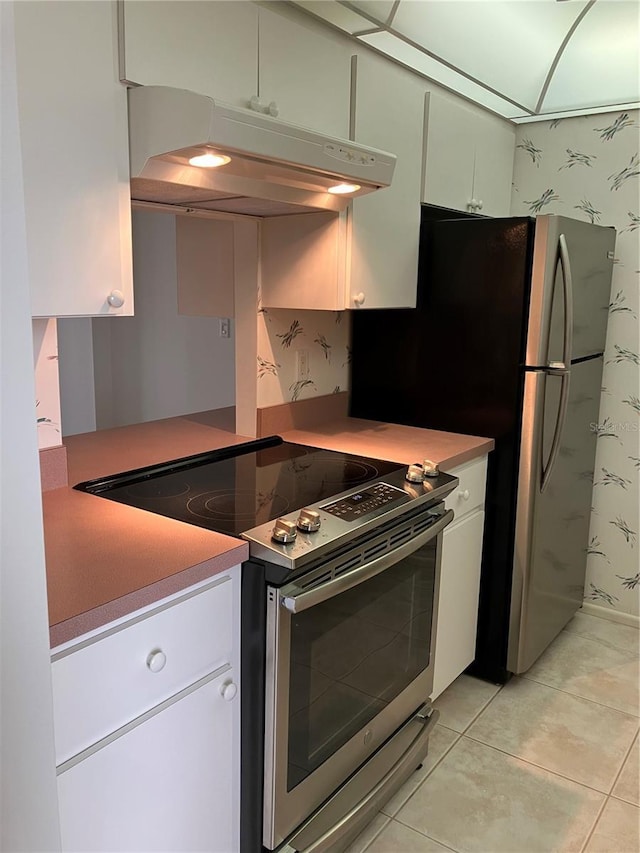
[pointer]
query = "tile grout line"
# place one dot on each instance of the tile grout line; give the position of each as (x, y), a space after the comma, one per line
(484, 708)
(424, 835)
(596, 640)
(538, 766)
(621, 768)
(382, 828)
(576, 695)
(606, 643)
(445, 753)
(595, 824)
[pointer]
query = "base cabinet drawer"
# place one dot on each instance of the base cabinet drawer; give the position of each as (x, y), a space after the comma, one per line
(470, 493)
(170, 783)
(458, 601)
(139, 665)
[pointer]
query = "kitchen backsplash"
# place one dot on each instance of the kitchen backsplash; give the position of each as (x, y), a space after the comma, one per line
(282, 334)
(45, 359)
(587, 168)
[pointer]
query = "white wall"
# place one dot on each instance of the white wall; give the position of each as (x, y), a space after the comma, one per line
(123, 370)
(77, 395)
(583, 167)
(45, 361)
(28, 816)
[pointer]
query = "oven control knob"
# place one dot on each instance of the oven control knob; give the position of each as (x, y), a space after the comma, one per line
(430, 468)
(308, 520)
(284, 531)
(414, 474)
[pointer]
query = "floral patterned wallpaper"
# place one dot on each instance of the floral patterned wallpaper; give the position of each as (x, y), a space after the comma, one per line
(588, 168)
(322, 335)
(45, 360)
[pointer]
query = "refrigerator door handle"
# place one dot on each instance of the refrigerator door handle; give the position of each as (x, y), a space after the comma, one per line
(545, 470)
(567, 285)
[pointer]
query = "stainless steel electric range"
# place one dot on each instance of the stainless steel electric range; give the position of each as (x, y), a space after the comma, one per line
(339, 610)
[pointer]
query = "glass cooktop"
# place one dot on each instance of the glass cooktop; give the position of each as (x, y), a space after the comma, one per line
(240, 487)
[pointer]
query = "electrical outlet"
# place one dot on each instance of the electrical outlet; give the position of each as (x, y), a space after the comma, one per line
(302, 357)
(225, 327)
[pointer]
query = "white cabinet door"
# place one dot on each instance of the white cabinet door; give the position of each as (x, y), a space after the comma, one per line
(385, 226)
(74, 139)
(210, 48)
(469, 158)
(448, 173)
(458, 600)
(305, 73)
(170, 783)
(495, 142)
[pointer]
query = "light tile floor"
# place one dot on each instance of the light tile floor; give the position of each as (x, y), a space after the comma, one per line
(547, 763)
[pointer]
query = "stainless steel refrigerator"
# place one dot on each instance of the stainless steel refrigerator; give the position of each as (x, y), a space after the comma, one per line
(506, 341)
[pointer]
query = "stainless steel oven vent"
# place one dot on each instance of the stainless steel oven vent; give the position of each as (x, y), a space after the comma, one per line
(372, 549)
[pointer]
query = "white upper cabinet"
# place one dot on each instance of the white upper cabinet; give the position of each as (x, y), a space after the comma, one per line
(75, 160)
(305, 74)
(236, 52)
(367, 256)
(210, 48)
(385, 226)
(469, 158)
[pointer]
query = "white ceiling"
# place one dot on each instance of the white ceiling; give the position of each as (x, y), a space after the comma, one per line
(523, 59)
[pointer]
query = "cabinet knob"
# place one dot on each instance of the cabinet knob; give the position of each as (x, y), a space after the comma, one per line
(116, 299)
(255, 104)
(464, 494)
(358, 298)
(472, 204)
(156, 660)
(479, 204)
(228, 691)
(272, 109)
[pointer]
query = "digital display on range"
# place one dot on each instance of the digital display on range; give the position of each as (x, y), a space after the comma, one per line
(360, 504)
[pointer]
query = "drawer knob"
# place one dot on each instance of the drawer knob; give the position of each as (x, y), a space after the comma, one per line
(156, 660)
(116, 299)
(464, 494)
(228, 691)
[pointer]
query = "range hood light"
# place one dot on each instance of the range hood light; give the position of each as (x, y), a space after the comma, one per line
(209, 160)
(344, 189)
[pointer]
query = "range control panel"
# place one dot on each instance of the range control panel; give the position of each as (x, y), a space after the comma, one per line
(358, 505)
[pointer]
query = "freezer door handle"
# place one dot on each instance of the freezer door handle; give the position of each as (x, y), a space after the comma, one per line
(567, 289)
(546, 469)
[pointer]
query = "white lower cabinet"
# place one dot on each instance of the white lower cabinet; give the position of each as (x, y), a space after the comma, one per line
(460, 577)
(154, 763)
(163, 785)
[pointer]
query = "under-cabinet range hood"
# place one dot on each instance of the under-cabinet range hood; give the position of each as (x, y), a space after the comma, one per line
(266, 166)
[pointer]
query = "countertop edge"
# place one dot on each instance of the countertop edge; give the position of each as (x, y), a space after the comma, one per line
(101, 616)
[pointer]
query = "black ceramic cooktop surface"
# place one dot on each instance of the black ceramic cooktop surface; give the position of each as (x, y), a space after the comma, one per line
(238, 488)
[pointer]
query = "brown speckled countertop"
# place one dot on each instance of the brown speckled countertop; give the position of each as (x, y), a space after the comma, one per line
(392, 441)
(105, 559)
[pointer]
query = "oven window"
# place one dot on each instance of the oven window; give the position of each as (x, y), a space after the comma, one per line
(353, 654)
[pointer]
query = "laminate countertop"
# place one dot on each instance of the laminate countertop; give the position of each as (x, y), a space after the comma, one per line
(105, 560)
(393, 442)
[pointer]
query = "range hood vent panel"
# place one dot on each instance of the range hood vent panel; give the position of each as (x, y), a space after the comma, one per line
(271, 161)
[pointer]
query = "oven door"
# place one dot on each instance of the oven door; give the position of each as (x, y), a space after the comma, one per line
(349, 660)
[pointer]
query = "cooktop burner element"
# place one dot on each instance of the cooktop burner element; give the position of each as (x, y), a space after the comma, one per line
(241, 487)
(246, 505)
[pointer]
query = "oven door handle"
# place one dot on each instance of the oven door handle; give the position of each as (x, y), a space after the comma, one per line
(304, 600)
